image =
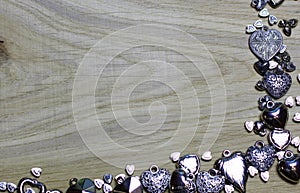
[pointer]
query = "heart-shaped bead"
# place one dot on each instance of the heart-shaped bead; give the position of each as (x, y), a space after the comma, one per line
(280, 139)
(11, 187)
(234, 167)
(259, 4)
(277, 84)
(130, 169)
(210, 181)
(265, 43)
(3, 186)
(190, 163)
(30, 183)
(181, 182)
(36, 172)
(130, 185)
(261, 156)
(275, 115)
(289, 167)
(155, 180)
(108, 178)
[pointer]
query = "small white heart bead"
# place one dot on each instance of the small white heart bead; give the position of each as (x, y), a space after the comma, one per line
(98, 183)
(298, 97)
(250, 29)
(252, 171)
(289, 101)
(296, 141)
(107, 188)
(130, 169)
(280, 155)
(264, 13)
(296, 117)
(229, 188)
(3, 186)
(272, 19)
(249, 125)
(272, 65)
(206, 156)
(265, 176)
(258, 24)
(175, 156)
(36, 172)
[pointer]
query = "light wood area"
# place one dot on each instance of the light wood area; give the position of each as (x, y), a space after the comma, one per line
(87, 87)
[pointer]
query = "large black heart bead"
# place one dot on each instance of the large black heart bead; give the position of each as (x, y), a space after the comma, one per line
(234, 167)
(289, 167)
(265, 44)
(275, 115)
(129, 185)
(181, 182)
(277, 84)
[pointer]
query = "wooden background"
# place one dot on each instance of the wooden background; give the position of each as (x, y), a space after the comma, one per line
(43, 44)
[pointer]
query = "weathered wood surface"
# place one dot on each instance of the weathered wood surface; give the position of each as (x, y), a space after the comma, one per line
(190, 63)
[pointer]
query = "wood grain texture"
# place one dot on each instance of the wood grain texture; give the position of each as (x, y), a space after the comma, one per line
(145, 92)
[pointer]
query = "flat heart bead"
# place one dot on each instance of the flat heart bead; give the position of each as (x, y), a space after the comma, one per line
(264, 13)
(272, 20)
(265, 43)
(3, 186)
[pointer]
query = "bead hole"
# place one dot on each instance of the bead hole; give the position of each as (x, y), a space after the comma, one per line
(212, 172)
(288, 154)
(154, 169)
(270, 104)
(226, 153)
(259, 143)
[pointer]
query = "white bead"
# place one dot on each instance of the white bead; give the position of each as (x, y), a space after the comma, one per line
(265, 176)
(296, 117)
(299, 148)
(272, 65)
(298, 77)
(296, 141)
(130, 169)
(258, 24)
(3, 186)
(107, 188)
(280, 155)
(298, 97)
(289, 101)
(272, 19)
(207, 156)
(252, 171)
(98, 183)
(249, 125)
(175, 156)
(264, 13)
(250, 29)
(229, 189)
(36, 172)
